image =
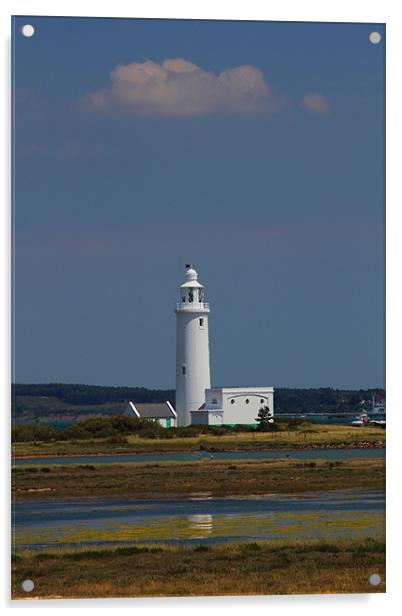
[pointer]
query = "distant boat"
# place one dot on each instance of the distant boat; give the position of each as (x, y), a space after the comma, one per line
(361, 420)
(364, 420)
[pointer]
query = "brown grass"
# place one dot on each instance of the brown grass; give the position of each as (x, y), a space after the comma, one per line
(315, 435)
(259, 568)
(137, 480)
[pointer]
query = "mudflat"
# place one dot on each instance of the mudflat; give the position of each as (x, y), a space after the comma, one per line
(220, 478)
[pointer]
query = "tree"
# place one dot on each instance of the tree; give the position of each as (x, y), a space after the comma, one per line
(264, 418)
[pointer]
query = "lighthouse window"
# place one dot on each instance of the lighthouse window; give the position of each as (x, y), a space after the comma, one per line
(247, 401)
(201, 322)
(191, 295)
(232, 401)
(262, 400)
(183, 368)
(214, 401)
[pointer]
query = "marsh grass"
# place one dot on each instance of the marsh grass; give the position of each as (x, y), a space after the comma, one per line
(260, 567)
(297, 437)
(218, 477)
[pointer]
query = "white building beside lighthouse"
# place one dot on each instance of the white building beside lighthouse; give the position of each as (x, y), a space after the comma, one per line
(196, 401)
(192, 348)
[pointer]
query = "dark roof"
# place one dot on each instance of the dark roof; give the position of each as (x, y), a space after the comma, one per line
(153, 410)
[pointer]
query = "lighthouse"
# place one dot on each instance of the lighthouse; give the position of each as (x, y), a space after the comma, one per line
(192, 348)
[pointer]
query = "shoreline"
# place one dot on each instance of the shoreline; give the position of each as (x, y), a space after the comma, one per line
(363, 445)
(218, 477)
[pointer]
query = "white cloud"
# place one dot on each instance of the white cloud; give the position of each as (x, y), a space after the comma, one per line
(180, 88)
(317, 103)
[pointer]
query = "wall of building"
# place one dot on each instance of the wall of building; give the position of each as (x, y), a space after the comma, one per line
(166, 422)
(240, 406)
(213, 398)
(243, 407)
(207, 418)
(215, 418)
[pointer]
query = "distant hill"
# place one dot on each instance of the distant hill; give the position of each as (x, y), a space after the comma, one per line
(69, 401)
(325, 400)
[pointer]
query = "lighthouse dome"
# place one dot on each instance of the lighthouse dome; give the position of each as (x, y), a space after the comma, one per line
(191, 278)
(191, 274)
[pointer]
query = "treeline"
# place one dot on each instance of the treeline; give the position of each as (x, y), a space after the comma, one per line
(287, 400)
(324, 400)
(92, 394)
(114, 429)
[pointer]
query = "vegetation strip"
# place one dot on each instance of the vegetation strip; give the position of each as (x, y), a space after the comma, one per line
(119, 436)
(259, 567)
(220, 478)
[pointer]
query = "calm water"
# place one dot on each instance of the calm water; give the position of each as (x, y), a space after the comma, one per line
(199, 518)
(302, 454)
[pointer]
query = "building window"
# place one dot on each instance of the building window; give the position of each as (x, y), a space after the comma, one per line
(201, 322)
(183, 369)
(232, 401)
(214, 401)
(247, 400)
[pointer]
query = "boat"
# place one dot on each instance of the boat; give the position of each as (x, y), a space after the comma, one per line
(364, 420)
(361, 420)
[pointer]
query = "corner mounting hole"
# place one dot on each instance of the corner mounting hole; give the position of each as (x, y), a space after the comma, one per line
(375, 38)
(374, 579)
(27, 30)
(27, 585)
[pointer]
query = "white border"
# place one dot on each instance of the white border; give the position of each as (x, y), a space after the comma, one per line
(379, 11)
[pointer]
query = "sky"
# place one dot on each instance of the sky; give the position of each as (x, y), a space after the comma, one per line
(254, 150)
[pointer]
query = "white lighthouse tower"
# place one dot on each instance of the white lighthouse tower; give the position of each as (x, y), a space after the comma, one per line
(192, 348)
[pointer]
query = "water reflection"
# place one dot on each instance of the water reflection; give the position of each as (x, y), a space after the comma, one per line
(338, 513)
(200, 496)
(201, 525)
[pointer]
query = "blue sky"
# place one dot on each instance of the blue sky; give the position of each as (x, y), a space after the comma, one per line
(269, 179)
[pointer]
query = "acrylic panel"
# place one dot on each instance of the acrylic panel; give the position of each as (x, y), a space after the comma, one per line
(198, 390)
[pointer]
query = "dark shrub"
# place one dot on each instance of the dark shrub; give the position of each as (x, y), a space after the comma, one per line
(34, 432)
(201, 548)
(252, 546)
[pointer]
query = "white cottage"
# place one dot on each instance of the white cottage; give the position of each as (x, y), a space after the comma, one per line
(234, 405)
(162, 413)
